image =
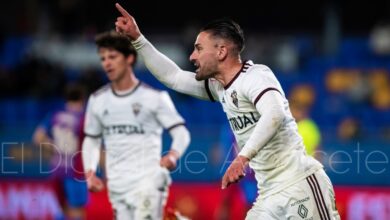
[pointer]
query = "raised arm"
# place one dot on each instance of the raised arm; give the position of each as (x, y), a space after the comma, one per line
(164, 69)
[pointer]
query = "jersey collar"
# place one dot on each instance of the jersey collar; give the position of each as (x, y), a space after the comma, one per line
(128, 93)
(244, 67)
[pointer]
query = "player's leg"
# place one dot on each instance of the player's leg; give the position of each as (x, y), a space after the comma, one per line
(152, 196)
(292, 203)
(324, 186)
(258, 212)
(76, 194)
(286, 204)
(150, 205)
(311, 198)
(123, 211)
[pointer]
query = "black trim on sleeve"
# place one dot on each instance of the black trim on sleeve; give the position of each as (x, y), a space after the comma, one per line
(176, 125)
(206, 84)
(263, 92)
(93, 136)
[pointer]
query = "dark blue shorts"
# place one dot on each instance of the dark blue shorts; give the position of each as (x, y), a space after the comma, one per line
(76, 192)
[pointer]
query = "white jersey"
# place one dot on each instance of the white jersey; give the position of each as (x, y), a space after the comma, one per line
(283, 160)
(131, 126)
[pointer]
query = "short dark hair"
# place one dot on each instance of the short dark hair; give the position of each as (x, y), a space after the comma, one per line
(75, 92)
(227, 29)
(116, 41)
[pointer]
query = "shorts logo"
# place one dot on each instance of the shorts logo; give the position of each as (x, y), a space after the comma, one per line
(302, 211)
(147, 203)
(300, 201)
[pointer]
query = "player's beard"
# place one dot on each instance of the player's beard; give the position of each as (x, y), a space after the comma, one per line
(208, 71)
(199, 76)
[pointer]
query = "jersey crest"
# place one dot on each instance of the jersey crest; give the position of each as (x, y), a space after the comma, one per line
(234, 98)
(105, 113)
(136, 108)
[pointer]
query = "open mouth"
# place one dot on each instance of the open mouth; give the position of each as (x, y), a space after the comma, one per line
(197, 67)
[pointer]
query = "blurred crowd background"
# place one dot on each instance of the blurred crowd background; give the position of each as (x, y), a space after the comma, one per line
(331, 57)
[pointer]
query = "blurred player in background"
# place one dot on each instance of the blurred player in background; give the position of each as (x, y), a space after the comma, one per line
(292, 184)
(302, 98)
(130, 117)
(308, 129)
(61, 134)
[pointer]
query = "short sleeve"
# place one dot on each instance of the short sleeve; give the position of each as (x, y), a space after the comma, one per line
(166, 112)
(92, 124)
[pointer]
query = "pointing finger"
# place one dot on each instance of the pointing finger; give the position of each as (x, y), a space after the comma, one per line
(122, 20)
(122, 10)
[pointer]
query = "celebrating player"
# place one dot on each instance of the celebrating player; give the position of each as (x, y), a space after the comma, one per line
(291, 183)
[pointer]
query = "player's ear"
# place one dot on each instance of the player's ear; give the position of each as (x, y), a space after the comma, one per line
(222, 52)
(130, 59)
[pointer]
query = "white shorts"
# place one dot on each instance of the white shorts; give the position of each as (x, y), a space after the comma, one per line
(147, 201)
(310, 199)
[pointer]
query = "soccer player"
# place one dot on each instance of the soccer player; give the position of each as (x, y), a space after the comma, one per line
(130, 117)
(292, 185)
(61, 133)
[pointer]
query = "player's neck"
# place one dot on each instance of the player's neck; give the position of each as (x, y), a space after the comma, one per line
(128, 82)
(228, 71)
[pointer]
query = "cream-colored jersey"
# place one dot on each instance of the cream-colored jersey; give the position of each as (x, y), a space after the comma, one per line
(131, 126)
(283, 160)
